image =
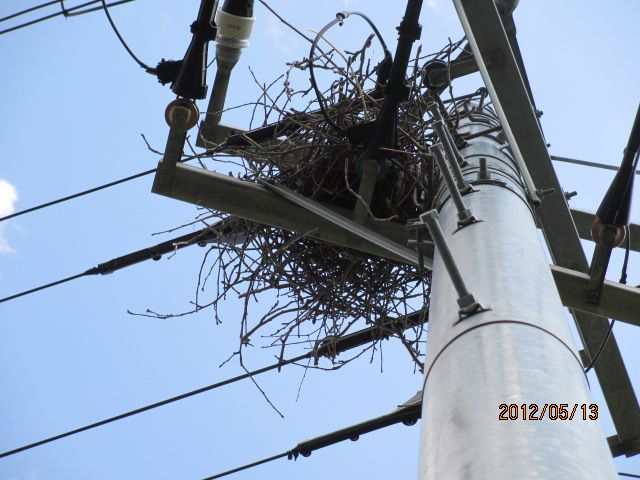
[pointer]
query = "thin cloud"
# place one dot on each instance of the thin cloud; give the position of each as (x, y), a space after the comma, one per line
(279, 37)
(8, 199)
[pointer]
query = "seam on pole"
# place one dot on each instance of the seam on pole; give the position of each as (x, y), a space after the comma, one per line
(450, 342)
(443, 196)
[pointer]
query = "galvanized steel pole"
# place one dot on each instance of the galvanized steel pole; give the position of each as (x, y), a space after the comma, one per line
(518, 352)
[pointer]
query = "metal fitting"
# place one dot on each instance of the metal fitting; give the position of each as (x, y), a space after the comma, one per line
(466, 301)
(464, 214)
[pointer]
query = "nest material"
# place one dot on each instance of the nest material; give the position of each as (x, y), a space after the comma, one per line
(323, 290)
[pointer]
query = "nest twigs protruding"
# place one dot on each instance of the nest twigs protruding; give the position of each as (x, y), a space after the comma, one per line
(317, 290)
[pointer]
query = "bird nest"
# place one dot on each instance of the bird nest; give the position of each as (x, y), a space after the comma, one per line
(317, 290)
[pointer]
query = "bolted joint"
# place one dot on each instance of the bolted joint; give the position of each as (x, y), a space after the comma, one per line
(570, 195)
(483, 172)
(465, 218)
(545, 192)
(468, 305)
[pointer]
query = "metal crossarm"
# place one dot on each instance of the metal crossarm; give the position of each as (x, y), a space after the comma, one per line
(584, 220)
(256, 202)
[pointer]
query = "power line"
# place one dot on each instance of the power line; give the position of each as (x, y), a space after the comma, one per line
(76, 195)
(152, 406)
(143, 65)
(235, 141)
(67, 12)
(28, 10)
(154, 252)
(44, 287)
(328, 347)
(587, 164)
(601, 348)
(623, 280)
(408, 414)
(249, 465)
(238, 140)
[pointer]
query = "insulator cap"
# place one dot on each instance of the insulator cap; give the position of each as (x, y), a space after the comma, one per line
(241, 8)
(233, 30)
(434, 75)
(192, 109)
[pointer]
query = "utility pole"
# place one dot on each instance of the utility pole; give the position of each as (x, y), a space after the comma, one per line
(498, 333)
(505, 394)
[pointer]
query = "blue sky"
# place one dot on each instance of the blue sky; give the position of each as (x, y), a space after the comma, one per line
(74, 106)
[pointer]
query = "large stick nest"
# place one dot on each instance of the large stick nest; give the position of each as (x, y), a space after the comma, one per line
(323, 290)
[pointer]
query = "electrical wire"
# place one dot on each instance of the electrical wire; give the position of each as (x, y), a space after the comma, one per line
(312, 77)
(143, 65)
(67, 12)
(91, 190)
(154, 252)
(601, 347)
(625, 262)
(28, 10)
(42, 287)
(76, 195)
(330, 346)
(631, 475)
(248, 466)
(235, 138)
(588, 164)
(407, 414)
(340, 18)
(623, 280)
(154, 405)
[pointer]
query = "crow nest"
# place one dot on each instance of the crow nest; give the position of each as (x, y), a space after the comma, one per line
(318, 290)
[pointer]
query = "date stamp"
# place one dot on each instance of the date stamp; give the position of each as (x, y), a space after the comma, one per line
(550, 411)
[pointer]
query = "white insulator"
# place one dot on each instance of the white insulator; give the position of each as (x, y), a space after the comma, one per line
(233, 31)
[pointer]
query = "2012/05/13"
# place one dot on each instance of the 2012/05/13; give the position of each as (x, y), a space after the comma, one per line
(551, 411)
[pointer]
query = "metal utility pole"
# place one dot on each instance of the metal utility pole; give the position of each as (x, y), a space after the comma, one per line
(498, 333)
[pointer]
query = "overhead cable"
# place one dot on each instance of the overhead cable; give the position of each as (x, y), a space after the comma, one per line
(588, 164)
(623, 280)
(66, 12)
(152, 406)
(329, 347)
(408, 414)
(143, 65)
(340, 18)
(86, 192)
(155, 252)
(28, 10)
(79, 194)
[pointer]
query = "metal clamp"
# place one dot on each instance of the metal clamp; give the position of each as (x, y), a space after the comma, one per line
(453, 155)
(466, 301)
(464, 214)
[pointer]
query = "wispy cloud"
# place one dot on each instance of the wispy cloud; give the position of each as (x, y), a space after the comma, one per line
(8, 199)
(279, 37)
(434, 4)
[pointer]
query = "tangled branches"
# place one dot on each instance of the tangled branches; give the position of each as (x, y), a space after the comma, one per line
(317, 290)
